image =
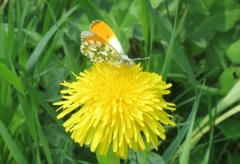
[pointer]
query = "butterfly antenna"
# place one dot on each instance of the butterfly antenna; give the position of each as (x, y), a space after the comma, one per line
(146, 58)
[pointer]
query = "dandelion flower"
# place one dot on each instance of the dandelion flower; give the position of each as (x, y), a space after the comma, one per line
(116, 107)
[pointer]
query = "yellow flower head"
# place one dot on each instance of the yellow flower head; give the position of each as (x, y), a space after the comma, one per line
(117, 107)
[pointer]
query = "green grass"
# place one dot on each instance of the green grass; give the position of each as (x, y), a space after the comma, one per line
(194, 45)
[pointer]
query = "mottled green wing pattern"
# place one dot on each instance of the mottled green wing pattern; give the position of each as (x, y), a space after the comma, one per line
(99, 51)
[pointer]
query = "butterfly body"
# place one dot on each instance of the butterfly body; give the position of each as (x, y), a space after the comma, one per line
(101, 45)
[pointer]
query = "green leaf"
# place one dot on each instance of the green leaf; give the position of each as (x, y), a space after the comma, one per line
(233, 157)
(91, 10)
(44, 41)
(222, 16)
(7, 74)
(185, 156)
(11, 144)
(200, 6)
(147, 26)
(109, 158)
(155, 3)
(122, 17)
(230, 128)
(166, 64)
(227, 79)
(164, 30)
(153, 158)
(144, 156)
(233, 52)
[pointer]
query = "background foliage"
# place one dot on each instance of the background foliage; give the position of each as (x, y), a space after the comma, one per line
(193, 44)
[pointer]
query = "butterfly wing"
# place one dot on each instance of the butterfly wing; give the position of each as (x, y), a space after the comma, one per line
(97, 49)
(101, 45)
(104, 31)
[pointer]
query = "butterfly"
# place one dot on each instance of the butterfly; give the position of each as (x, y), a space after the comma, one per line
(100, 44)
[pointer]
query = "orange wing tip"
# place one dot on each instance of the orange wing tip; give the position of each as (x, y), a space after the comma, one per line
(95, 22)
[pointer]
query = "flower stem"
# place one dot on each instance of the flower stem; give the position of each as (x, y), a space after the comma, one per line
(109, 158)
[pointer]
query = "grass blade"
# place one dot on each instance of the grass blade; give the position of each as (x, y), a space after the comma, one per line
(12, 146)
(91, 10)
(147, 26)
(167, 61)
(44, 41)
(11, 78)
